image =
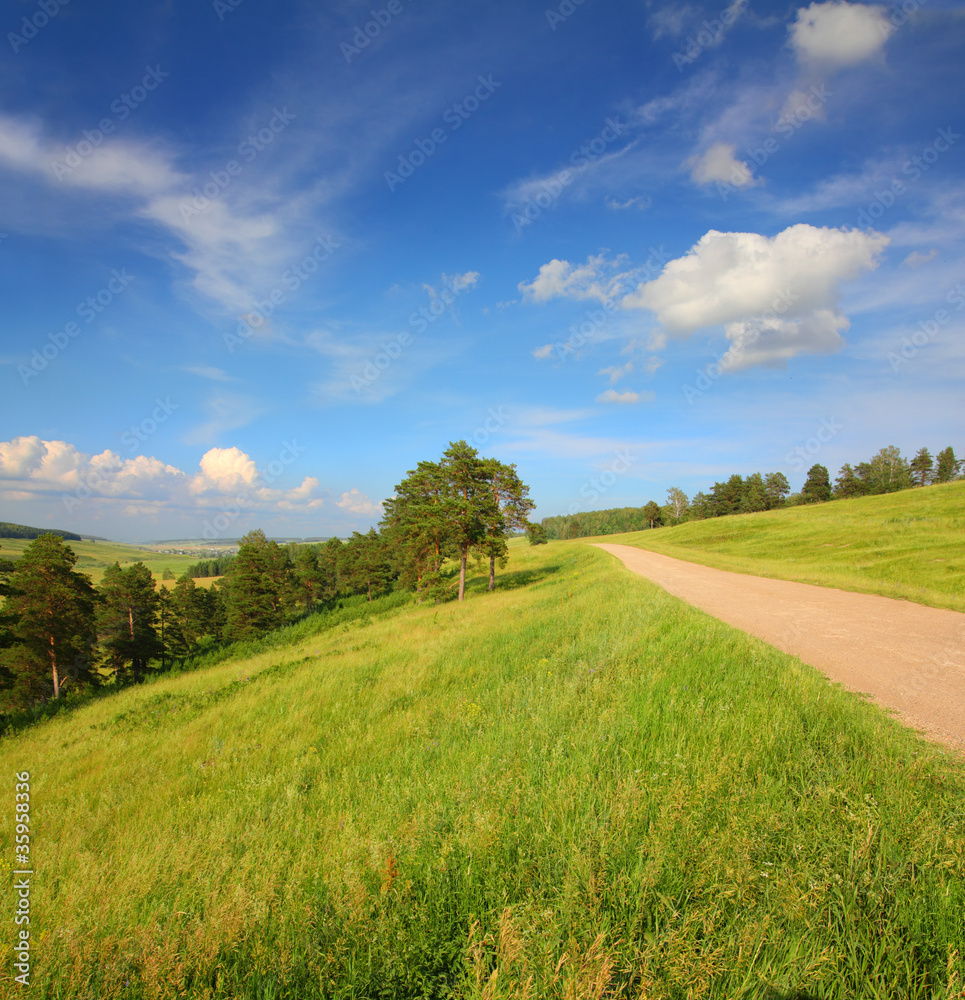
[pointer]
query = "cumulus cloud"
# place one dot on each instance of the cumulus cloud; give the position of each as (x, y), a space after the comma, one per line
(624, 398)
(718, 164)
(544, 352)
(839, 34)
(776, 296)
(358, 503)
(561, 279)
(34, 469)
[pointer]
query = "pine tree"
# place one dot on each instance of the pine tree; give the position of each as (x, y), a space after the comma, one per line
(817, 488)
(416, 522)
(510, 512)
(652, 513)
(776, 488)
(754, 498)
(946, 465)
(53, 609)
(849, 484)
(469, 504)
(308, 576)
(922, 466)
(367, 569)
(258, 588)
(127, 620)
(536, 533)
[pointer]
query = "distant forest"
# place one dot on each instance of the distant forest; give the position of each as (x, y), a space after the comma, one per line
(8, 530)
(886, 472)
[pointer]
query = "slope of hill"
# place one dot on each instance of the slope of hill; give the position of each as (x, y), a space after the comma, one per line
(8, 530)
(908, 545)
(574, 787)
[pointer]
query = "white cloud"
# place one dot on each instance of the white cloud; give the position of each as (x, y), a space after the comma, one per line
(918, 257)
(55, 470)
(839, 34)
(624, 398)
(670, 20)
(641, 202)
(227, 412)
(215, 374)
(616, 372)
(544, 352)
(776, 296)
(358, 503)
(718, 164)
(561, 279)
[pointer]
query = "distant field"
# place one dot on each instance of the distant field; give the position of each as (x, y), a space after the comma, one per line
(578, 787)
(94, 557)
(907, 545)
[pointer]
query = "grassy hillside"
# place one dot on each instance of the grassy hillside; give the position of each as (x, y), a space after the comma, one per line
(908, 545)
(579, 787)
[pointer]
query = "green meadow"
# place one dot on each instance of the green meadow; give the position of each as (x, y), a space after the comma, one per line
(908, 545)
(94, 557)
(577, 787)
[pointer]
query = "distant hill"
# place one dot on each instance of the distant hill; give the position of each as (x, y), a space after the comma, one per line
(8, 530)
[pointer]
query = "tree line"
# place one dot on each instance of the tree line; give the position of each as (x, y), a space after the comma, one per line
(886, 472)
(59, 633)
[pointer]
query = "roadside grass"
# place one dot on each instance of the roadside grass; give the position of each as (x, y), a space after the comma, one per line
(907, 545)
(575, 787)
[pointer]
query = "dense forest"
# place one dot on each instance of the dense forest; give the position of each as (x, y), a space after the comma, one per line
(8, 530)
(59, 633)
(885, 472)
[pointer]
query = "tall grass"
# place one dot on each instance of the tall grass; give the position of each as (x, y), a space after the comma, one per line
(575, 787)
(907, 545)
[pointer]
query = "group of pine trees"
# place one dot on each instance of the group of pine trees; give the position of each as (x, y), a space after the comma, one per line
(886, 472)
(58, 632)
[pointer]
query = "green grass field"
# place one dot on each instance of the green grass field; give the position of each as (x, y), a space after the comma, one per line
(907, 545)
(578, 787)
(94, 557)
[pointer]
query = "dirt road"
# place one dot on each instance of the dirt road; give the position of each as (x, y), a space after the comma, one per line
(908, 657)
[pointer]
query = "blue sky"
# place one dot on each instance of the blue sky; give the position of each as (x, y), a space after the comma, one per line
(259, 260)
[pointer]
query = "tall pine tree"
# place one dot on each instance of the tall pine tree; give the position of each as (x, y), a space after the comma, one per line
(53, 611)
